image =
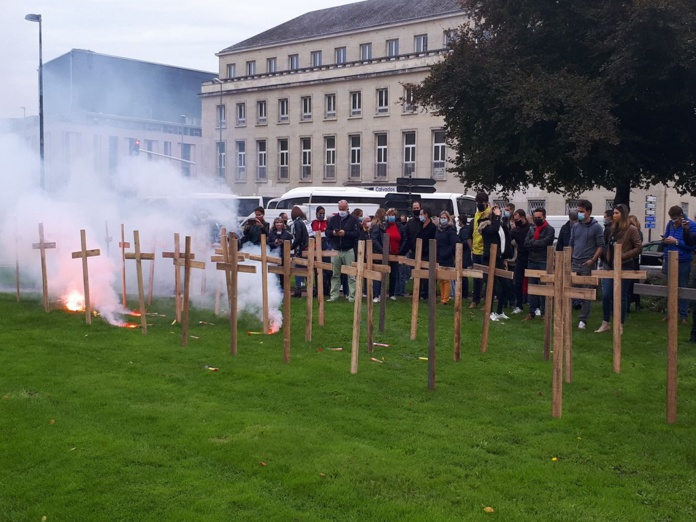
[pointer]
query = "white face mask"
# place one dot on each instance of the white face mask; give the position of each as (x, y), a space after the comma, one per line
(343, 213)
(443, 221)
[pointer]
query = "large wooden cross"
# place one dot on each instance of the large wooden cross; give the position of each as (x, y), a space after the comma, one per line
(42, 246)
(308, 264)
(415, 263)
(186, 261)
(360, 273)
(84, 254)
(286, 272)
(618, 275)
(175, 255)
(139, 256)
(123, 245)
(559, 286)
(107, 238)
(673, 292)
(492, 272)
(230, 264)
(320, 265)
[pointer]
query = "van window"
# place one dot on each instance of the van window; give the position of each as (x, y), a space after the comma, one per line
(246, 206)
(466, 207)
(291, 202)
(437, 205)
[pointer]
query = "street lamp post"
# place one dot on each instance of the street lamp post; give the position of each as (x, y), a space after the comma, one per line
(219, 117)
(37, 18)
(184, 166)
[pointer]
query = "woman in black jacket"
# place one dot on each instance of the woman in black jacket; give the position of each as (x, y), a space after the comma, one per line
(518, 234)
(447, 240)
(300, 242)
(463, 235)
(495, 233)
(426, 234)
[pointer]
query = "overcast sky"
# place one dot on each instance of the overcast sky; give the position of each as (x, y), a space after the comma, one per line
(185, 33)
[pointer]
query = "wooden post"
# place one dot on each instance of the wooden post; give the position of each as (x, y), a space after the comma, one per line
(264, 284)
(458, 266)
(139, 256)
(372, 273)
(42, 246)
(618, 275)
(321, 265)
(432, 305)
(175, 255)
(188, 263)
(548, 316)
(123, 245)
(311, 252)
(416, 288)
(84, 254)
(357, 307)
(383, 286)
(558, 317)
(107, 238)
(151, 279)
(286, 301)
(230, 264)
(567, 316)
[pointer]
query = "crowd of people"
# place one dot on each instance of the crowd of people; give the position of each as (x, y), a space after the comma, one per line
(521, 242)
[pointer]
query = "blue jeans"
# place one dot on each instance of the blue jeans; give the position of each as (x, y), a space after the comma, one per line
(536, 301)
(683, 275)
(608, 298)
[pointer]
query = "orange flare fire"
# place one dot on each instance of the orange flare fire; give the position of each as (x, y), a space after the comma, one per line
(130, 325)
(135, 313)
(74, 301)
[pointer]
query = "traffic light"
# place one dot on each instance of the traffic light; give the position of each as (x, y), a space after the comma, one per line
(135, 147)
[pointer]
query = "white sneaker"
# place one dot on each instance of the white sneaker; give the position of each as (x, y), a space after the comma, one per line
(494, 316)
(332, 299)
(537, 312)
(393, 298)
(517, 310)
(351, 299)
(582, 325)
(503, 316)
(375, 300)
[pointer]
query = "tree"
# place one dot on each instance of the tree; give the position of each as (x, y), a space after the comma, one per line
(570, 95)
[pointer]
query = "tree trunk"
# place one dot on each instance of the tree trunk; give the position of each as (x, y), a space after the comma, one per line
(623, 193)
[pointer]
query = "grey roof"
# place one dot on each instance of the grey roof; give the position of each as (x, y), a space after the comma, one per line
(350, 17)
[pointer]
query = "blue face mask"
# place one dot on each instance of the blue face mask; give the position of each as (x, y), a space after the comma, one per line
(581, 216)
(506, 214)
(391, 219)
(422, 218)
(360, 220)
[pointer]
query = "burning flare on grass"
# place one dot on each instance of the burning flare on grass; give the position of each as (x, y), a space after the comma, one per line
(130, 325)
(74, 301)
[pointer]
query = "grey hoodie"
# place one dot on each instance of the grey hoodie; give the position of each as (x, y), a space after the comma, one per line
(585, 238)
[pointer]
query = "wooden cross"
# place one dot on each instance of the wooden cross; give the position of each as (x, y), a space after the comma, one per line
(561, 289)
(139, 256)
(618, 275)
(673, 292)
(265, 259)
(360, 273)
(107, 238)
(84, 254)
(320, 266)
(43, 245)
(188, 263)
(431, 274)
(416, 264)
(230, 264)
(286, 271)
(176, 256)
(308, 262)
(546, 276)
(492, 273)
(123, 245)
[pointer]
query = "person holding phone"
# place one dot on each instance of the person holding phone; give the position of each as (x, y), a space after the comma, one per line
(674, 240)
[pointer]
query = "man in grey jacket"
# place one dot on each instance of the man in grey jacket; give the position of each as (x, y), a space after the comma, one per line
(587, 240)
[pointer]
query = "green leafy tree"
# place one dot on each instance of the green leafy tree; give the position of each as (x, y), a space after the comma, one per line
(568, 95)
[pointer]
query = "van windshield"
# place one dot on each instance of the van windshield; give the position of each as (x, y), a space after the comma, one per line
(466, 207)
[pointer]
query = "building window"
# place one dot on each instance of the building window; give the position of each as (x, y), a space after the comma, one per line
(293, 62)
(271, 65)
(382, 101)
(306, 148)
(261, 160)
(439, 147)
(283, 160)
(306, 102)
(316, 58)
(366, 51)
(329, 106)
(340, 55)
(449, 37)
(381, 167)
(231, 70)
(571, 205)
(420, 43)
(222, 159)
(330, 158)
(355, 103)
(251, 68)
(354, 156)
(186, 152)
(408, 104)
(409, 154)
(241, 113)
(221, 117)
(240, 147)
(283, 109)
(533, 204)
(167, 150)
(608, 204)
(261, 112)
(393, 48)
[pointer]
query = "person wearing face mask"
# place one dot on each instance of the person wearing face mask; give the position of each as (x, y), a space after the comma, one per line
(397, 242)
(447, 240)
(300, 242)
(463, 236)
(404, 270)
(607, 219)
(508, 213)
(342, 230)
(413, 227)
(377, 230)
(564, 233)
(674, 240)
(276, 237)
(494, 232)
(426, 234)
(483, 211)
(539, 237)
(518, 234)
(587, 241)
(319, 228)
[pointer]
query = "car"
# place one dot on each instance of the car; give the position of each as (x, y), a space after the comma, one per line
(653, 253)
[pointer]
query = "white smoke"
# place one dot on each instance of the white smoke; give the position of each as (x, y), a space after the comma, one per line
(149, 196)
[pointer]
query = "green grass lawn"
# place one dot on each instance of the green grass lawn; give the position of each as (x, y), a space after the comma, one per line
(103, 423)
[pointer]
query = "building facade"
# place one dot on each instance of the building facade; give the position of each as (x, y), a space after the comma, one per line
(323, 99)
